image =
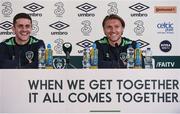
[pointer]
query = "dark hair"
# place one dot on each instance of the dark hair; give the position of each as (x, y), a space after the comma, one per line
(113, 16)
(21, 15)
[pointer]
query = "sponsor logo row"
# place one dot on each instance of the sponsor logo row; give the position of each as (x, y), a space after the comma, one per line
(165, 46)
(139, 8)
(164, 27)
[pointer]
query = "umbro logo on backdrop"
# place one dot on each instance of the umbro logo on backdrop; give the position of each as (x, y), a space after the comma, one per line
(34, 7)
(142, 43)
(59, 26)
(85, 43)
(86, 7)
(6, 25)
(139, 8)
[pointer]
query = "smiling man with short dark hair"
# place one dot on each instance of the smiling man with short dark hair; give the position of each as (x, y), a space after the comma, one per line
(20, 51)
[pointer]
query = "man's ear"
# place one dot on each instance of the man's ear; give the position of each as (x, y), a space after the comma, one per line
(104, 32)
(122, 31)
(13, 29)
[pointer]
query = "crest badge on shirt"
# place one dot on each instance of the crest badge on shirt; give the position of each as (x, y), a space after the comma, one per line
(29, 56)
(123, 56)
(107, 55)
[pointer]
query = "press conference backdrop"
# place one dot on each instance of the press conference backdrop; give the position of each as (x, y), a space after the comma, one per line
(153, 23)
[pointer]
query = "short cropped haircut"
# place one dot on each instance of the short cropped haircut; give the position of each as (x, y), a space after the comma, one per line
(21, 15)
(113, 16)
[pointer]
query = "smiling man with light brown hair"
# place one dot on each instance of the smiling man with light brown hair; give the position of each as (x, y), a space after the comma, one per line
(112, 48)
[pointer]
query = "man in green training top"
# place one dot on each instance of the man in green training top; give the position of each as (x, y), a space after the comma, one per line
(112, 49)
(20, 51)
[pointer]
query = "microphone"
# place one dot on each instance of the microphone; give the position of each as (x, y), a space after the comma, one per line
(67, 48)
(118, 55)
(116, 45)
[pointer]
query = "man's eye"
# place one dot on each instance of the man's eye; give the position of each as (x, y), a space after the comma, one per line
(27, 26)
(20, 26)
(109, 27)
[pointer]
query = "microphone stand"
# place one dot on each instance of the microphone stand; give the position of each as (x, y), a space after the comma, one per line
(68, 64)
(117, 52)
(67, 47)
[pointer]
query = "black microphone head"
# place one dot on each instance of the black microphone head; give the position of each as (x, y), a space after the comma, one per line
(116, 44)
(67, 47)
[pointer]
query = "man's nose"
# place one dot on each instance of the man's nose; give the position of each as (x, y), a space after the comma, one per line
(24, 28)
(113, 29)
